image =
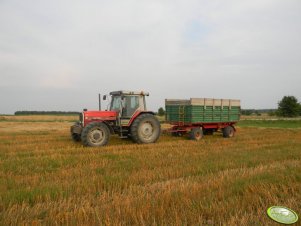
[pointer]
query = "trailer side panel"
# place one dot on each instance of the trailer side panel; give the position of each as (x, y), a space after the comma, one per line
(202, 110)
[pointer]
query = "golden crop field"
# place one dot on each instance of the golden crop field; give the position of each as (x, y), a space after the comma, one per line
(47, 179)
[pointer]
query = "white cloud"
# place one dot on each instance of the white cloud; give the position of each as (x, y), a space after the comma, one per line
(61, 77)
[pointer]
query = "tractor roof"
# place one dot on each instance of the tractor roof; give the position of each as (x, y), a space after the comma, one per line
(123, 92)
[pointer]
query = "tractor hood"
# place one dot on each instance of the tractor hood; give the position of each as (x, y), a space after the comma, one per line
(92, 116)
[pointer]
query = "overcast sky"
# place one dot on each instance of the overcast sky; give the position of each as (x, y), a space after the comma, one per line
(59, 54)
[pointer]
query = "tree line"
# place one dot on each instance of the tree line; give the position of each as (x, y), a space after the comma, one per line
(46, 113)
(288, 106)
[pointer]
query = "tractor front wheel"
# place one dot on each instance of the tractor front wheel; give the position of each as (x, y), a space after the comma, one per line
(145, 129)
(75, 137)
(95, 134)
(75, 131)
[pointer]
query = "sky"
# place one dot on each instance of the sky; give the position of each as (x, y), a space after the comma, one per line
(58, 55)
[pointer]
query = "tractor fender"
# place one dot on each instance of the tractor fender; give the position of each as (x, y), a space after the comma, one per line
(137, 114)
(110, 128)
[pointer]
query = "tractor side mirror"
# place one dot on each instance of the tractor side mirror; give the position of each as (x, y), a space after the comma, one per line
(104, 97)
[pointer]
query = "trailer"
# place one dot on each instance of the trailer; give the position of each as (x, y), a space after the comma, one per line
(199, 116)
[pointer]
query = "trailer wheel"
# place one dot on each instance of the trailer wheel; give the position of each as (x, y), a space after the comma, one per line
(145, 129)
(95, 134)
(228, 132)
(196, 134)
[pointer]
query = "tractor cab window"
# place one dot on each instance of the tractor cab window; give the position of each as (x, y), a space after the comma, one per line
(130, 105)
(116, 103)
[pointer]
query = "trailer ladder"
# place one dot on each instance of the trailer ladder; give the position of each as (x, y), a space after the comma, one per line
(181, 115)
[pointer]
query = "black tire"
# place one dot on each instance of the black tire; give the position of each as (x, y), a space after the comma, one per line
(76, 137)
(196, 134)
(228, 132)
(75, 131)
(145, 129)
(95, 134)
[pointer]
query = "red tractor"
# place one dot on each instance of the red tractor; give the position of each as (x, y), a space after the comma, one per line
(126, 117)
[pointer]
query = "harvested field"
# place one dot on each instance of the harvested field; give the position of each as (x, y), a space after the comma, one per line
(47, 179)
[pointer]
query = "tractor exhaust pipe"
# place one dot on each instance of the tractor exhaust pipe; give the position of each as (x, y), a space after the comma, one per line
(99, 102)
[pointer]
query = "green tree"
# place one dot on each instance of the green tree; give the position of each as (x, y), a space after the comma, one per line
(161, 111)
(288, 107)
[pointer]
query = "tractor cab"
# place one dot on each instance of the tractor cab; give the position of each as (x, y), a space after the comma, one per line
(127, 103)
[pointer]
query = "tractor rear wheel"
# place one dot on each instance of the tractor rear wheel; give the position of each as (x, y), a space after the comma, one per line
(95, 134)
(196, 134)
(145, 129)
(228, 131)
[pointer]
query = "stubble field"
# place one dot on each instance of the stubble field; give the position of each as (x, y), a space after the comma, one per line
(47, 179)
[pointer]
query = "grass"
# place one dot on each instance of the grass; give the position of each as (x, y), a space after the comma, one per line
(47, 179)
(271, 123)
